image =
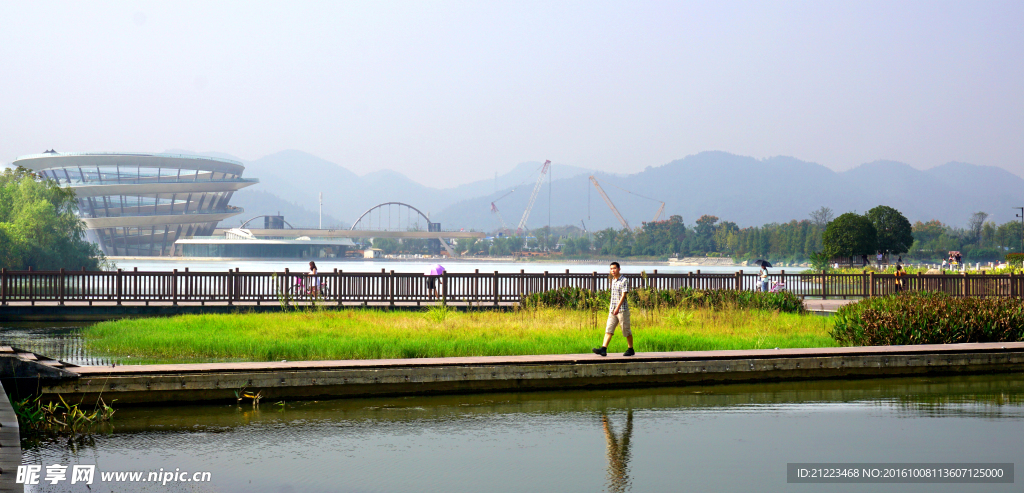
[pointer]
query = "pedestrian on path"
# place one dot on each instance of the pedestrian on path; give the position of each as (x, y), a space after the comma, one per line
(900, 273)
(313, 287)
(618, 311)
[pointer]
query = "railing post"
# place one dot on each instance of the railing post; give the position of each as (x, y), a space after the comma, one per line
(495, 288)
(119, 286)
(739, 281)
(871, 285)
(3, 286)
(337, 282)
(824, 286)
(963, 284)
(60, 288)
(545, 288)
(174, 287)
(236, 282)
(231, 287)
(391, 290)
(135, 284)
(1013, 286)
(444, 287)
(383, 284)
(522, 284)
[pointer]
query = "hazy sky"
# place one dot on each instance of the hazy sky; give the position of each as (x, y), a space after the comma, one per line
(448, 92)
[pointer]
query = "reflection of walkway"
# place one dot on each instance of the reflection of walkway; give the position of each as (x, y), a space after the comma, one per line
(618, 454)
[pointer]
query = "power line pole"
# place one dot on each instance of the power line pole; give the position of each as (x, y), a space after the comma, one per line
(1021, 216)
(549, 206)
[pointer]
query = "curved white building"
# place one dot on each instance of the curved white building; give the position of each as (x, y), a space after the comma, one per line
(140, 204)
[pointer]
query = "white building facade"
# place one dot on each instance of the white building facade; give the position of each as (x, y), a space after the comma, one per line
(140, 204)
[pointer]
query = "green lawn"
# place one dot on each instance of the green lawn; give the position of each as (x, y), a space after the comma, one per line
(371, 334)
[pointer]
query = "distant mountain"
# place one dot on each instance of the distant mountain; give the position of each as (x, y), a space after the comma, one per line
(262, 202)
(523, 176)
(741, 189)
(752, 192)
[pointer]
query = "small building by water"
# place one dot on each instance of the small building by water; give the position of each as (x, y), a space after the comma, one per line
(241, 243)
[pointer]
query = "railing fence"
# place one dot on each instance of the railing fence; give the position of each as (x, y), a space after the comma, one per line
(392, 287)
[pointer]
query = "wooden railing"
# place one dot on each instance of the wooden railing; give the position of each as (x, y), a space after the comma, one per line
(391, 287)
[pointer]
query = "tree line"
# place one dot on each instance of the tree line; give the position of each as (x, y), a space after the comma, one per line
(881, 229)
(39, 225)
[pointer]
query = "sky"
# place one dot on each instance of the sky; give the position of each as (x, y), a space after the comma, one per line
(451, 92)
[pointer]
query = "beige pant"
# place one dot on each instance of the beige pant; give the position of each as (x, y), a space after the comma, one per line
(621, 319)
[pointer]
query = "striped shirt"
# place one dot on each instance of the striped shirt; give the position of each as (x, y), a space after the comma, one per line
(619, 287)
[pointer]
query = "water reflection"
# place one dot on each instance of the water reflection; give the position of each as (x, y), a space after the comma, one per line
(59, 341)
(618, 453)
(714, 438)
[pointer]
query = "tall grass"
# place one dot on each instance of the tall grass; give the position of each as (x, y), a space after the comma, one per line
(372, 334)
(928, 318)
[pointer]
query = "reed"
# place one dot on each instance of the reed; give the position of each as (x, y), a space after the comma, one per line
(439, 332)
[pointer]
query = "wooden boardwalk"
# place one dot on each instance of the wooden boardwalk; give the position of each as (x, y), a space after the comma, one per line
(224, 382)
(10, 446)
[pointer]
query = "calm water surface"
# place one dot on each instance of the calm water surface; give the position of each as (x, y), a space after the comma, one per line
(715, 438)
(461, 266)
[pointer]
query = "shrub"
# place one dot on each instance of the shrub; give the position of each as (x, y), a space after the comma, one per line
(1015, 259)
(928, 318)
(716, 299)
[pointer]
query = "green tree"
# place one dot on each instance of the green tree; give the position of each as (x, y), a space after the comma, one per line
(848, 235)
(466, 246)
(39, 225)
(386, 245)
(893, 230)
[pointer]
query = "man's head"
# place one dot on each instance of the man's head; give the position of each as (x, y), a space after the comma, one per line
(613, 269)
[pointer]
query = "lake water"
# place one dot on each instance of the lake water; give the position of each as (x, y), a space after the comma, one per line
(712, 438)
(417, 265)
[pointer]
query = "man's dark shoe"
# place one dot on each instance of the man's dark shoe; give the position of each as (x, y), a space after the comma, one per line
(601, 351)
(629, 352)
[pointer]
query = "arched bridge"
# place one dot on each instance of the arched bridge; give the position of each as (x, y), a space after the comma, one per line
(383, 220)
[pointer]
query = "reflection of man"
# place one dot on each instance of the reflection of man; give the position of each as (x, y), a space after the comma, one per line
(618, 453)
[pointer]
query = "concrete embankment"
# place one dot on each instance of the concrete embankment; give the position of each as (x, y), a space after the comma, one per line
(358, 378)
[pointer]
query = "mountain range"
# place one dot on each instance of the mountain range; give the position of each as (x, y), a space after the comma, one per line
(745, 190)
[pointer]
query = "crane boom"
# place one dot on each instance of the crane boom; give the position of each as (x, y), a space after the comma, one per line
(609, 202)
(533, 197)
(660, 210)
(494, 208)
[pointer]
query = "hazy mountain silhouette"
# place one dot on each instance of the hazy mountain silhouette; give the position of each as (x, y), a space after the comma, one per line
(752, 192)
(745, 190)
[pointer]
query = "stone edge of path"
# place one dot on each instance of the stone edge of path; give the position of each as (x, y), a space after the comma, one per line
(579, 359)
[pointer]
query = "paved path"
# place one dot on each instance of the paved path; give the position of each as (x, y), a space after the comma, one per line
(547, 359)
(223, 382)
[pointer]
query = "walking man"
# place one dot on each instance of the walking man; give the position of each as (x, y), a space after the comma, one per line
(618, 311)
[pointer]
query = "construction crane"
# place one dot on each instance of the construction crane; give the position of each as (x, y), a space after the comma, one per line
(608, 201)
(494, 208)
(622, 220)
(533, 198)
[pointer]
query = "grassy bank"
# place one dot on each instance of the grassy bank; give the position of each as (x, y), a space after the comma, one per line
(371, 334)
